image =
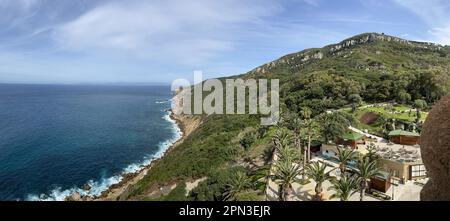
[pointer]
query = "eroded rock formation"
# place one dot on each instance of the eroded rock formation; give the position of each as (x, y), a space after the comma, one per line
(435, 147)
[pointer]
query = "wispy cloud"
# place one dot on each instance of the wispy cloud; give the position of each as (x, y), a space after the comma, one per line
(144, 40)
(435, 13)
(159, 30)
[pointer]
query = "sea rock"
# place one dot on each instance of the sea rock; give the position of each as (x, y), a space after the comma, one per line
(87, 198)
(435, 148)
(87, 187)
(73, 197)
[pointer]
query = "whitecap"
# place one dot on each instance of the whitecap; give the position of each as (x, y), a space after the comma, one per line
(97, 187)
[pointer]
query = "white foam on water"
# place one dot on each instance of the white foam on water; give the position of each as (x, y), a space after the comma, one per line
(97, 187)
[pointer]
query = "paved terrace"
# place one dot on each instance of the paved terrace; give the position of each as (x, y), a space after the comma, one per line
(407, 192)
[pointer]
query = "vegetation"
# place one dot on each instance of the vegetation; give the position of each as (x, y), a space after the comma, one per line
(419, 105)
(344, 187)
(345, 155)
(317, 172)
(312, 82)
(286, 171)
(334, 125)
(177, 194)
(247, 140)
(355, 100)
(236, 185)
(366, 169)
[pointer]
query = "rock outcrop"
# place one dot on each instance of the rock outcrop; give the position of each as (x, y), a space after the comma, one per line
(74, 197)
(87, 187)
(435, 147)
(297, 60)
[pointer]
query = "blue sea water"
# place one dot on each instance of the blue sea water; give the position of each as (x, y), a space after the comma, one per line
(54, 139)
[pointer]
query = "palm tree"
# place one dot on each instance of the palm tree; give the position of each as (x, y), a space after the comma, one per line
(238, 183)
(344, 187)
(297, 127)
(344, 155)
(317, 172)
(286, 173)
(306, 113)
(281, 137)
(286, 152)
(366, 169)
(283, 145)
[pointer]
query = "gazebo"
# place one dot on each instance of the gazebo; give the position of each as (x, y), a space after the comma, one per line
(404, 137)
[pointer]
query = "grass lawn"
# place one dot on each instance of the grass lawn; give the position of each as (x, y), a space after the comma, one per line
(398, 112)
(401, 112)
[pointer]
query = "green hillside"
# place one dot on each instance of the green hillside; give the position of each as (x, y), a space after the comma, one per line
(374, 67)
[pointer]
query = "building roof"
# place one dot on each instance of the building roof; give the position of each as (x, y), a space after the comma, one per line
(403, 133)
(383, 175)
(352, 136)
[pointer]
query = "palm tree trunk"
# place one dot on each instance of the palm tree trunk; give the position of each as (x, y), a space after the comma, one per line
(363, 190)
(342, 168)
(318, 190)
(309, 147)
(280, 193)
(286, 192)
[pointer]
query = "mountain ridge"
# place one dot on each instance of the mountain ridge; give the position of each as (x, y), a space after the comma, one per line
(335, 49)
(372, 67)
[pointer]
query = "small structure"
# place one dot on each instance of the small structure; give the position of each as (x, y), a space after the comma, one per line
(382, 182)
(315, 146)
(404, 137)
(351, 139)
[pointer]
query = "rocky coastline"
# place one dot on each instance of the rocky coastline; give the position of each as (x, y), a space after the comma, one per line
(115, 191)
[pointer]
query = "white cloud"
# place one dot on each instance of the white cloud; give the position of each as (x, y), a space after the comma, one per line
(160, 30)
(441, 35)
(435, 13)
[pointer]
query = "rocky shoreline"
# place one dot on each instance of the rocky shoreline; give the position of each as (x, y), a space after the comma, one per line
(115, 191)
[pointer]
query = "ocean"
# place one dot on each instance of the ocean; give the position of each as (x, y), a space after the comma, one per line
(56, 138)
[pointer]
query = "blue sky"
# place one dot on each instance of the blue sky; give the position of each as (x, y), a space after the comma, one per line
(99, 41)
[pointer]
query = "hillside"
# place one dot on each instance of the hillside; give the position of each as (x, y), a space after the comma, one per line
(375, 67)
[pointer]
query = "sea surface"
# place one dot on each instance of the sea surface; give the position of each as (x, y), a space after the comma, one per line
(54, 139)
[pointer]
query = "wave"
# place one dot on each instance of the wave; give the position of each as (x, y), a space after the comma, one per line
(97, 187)
(163, 101)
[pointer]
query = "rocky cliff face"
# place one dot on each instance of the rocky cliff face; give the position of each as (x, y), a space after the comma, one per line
(298, 59)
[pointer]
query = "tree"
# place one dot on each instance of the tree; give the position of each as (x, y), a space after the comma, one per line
(419, 105)
(355, 100)
(344, 155)
(317, 172)
(286, 173)
(297, 127)
(403, 97)
(308, 124)
(334, 125)
(247, 140)
(262, 131)
(344, 187)
(286, 152)
(281, 138)
(372, 152)
(237, 184)
(366, 169)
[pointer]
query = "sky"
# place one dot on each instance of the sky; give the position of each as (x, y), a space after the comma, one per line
(116, 41)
